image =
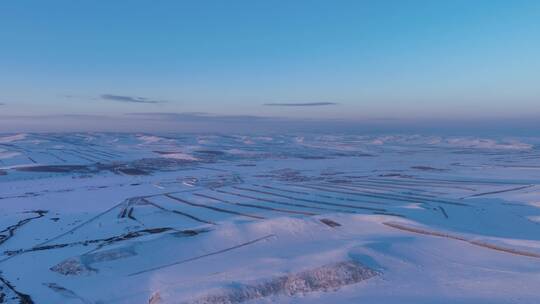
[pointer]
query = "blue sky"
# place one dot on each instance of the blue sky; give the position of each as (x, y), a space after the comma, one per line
(349, 60)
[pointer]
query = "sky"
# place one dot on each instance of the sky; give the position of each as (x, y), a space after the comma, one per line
(106, 64)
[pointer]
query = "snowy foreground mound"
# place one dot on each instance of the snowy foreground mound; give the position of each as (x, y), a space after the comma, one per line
(191, 219)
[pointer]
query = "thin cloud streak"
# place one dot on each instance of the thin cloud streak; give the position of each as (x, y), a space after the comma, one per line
(131, 99)
(301, 104)
(199, 117)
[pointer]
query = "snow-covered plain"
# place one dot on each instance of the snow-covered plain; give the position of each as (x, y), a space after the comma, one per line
(146, 218)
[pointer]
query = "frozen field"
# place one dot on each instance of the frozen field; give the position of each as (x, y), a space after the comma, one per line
(139, 218)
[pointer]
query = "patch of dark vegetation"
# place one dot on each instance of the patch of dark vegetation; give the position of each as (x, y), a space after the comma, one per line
(364, 155)
(428, 168)
(331, 173)
(464, 239)
(330, 223)
(80, 265)
(9, 232)
(9, 292)
(443, 211)
(130, 214)
(283, 190)
(501, 191)
(160, 164)
(309, 200)
(322, 279)
(133, 171)
(277, 203)
(25, 195)
(111, 240)
(395, 197)
(289, 175)
(211, 152)
(311, 157)
(396, 175)
(166, 152)
(340, 181)
(145, 166)
(67, 293)
(251, 205)
(56, 169)
(155, 298)
(246, 165)
(352, 154)
(213, 182)
(121, 169)
(138, 167)
(184, 214)
(213, 208)
(390, 214)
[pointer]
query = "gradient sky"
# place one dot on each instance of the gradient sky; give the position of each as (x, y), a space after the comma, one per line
(354, 60)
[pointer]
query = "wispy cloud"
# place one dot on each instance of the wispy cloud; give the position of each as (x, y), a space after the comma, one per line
(301, 104)
(2, 104)
(132, 99)
(199, 117)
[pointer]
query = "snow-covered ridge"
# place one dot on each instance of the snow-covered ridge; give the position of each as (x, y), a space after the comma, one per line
(12, 138)
(488, 144)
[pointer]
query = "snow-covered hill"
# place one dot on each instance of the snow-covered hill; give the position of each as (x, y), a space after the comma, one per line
(179, 218)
